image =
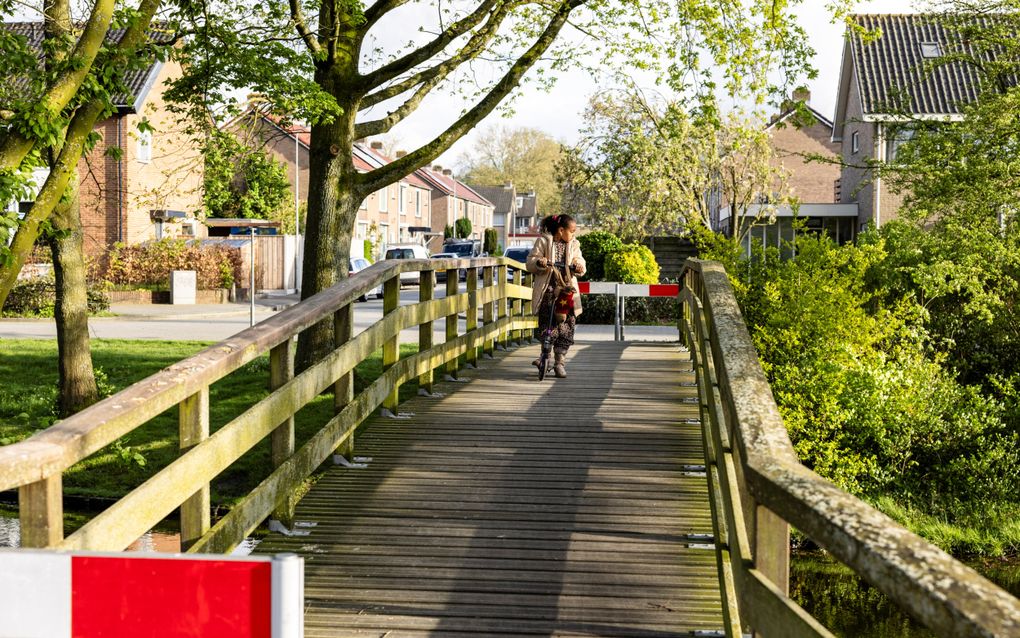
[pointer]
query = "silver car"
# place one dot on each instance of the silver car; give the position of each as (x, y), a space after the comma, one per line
(357, 264)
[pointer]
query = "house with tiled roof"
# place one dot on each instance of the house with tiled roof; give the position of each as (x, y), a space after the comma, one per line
(398, 213)
(125, 194)
(885, 84)
(451, 200)
(504, 208)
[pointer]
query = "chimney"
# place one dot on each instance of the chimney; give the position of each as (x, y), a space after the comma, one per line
(508, 185)
(401, 154)
(447, 172)
(802, 94)
(377, 146)
(436, 168)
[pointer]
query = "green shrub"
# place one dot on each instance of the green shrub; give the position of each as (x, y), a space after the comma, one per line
(462, 227)
(448, 231)
(368, 250)
(491, 242)
(632, 264)
(150, 264)
(601, 309)
(37, 298)
(595, 246)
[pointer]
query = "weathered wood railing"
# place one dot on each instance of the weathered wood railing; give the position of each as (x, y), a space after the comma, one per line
(759, 488)
(35, 466)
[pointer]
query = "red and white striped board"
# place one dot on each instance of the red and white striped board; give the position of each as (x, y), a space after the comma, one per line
(48, 594)
(628, 290)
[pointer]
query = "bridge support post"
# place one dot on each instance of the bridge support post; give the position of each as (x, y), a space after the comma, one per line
(426, 291)
(501, 304)
(488, 311)
(772, 547)
(516, 308)
(281, 370)
(193, 421)
(41, 512)
(391, 348)
(343, 389)
(452, 289)
(471, 322)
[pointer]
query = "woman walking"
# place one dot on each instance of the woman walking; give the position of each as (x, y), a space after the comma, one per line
(557, 246)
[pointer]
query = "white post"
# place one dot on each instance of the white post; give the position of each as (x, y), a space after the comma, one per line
(251, 277)
(616, 322)
(288, 587)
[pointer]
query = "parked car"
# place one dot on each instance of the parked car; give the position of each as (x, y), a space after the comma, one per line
(464, 249)
(517, 253)
(441, 274)
(408, 251)
(357, 264)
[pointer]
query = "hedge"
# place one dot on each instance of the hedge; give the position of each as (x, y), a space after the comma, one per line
(37, 298)
(151, 263)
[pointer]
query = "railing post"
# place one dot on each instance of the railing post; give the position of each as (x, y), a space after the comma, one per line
(501, 304)
(471, 321)
(281, 370)
(452, 289)
(391, 349)
(488, 311)
(343, 389)
(516, 307)
(41, 512)
(426, 291)
(529, 281)
(771, 542)
(193, 423)
(616, 316)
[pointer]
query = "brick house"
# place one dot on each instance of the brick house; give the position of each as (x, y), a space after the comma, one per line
(504, 208)
(398, 213)
(884, 85)
(812, 183)
(453, 199)
(159, 170)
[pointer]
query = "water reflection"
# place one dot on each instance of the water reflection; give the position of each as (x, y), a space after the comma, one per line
(849, 607)
(165, 542)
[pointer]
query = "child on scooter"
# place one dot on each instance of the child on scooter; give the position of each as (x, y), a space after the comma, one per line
(554, 296)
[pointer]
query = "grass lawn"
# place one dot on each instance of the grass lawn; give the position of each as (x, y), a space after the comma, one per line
(28, 393)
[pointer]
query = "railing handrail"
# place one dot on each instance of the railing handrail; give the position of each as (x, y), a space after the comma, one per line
(76, 437)
(924, 580)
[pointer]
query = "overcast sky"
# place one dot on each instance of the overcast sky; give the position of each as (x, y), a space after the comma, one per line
(559, 112)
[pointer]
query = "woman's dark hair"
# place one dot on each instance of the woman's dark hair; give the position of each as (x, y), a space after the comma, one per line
(553, 223)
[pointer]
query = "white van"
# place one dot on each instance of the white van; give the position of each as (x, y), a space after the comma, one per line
(407, 251)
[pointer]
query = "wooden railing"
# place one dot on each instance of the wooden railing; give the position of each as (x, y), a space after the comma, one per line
(759, 488)
(35, 466)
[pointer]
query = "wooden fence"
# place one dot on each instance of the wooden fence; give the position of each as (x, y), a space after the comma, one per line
(759, 488)
(35, 466)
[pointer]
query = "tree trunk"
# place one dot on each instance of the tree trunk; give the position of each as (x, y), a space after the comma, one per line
(77, 379)
(333, 203)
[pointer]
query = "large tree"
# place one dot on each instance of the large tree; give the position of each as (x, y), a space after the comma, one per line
(645, 167)
(525, 156)
(333, 63)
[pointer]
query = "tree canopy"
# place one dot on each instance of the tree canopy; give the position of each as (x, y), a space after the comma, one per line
(525, 156)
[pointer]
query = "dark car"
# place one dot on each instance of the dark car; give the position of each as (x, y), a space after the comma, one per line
(517, 253)
(441, 274)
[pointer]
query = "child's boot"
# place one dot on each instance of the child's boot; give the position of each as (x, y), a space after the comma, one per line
(560, 366)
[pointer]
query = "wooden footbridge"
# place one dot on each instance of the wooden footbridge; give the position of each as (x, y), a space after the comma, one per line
(649, 494)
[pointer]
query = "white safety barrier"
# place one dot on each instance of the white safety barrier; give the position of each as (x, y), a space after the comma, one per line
(49, 594)
(626, 290)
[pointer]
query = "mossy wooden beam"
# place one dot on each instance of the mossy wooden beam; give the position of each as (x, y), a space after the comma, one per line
(426, 292)
(471, 320)
(391, 349)
(452, 286)
(41, 512)
(281, 441)
(193, 418)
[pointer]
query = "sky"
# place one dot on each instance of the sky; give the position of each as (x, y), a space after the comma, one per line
(559, 112)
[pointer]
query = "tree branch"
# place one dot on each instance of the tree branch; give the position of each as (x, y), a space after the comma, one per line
(49, 196)
(437, 74)
(374, 13)
(14, 144)
(301, 26)
(403, 64)
(374, 180)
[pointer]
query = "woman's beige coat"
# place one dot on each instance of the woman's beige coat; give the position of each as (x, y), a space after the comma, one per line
(544, 248)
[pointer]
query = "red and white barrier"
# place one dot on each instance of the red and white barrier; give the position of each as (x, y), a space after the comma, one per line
(627, 290)
(46, 594)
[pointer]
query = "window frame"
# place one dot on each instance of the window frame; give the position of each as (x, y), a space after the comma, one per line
(143, 149)
(855, 142)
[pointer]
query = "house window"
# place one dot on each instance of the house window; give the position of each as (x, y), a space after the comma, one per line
(896, 139)
(855, 142)
(417, 203)
(520, 202)
(364, 204)
(362, 230)
(384, 199)
(402, 203)
(930, 50)
(144, 154)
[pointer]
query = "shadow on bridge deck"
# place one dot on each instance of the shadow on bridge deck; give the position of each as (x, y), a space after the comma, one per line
(514, 507)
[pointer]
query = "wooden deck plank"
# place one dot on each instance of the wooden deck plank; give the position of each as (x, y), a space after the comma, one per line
(510, 507)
